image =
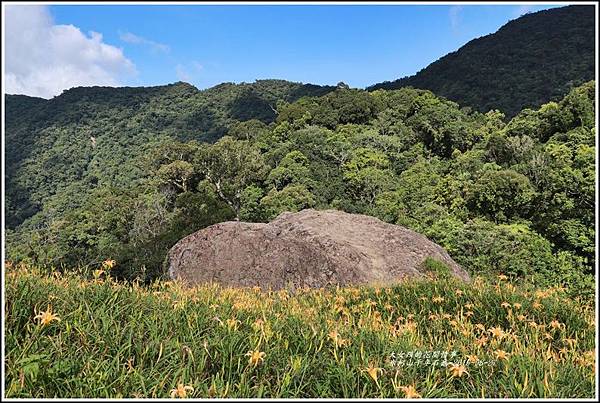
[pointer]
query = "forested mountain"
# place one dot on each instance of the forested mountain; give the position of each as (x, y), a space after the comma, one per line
(91, 136)
(103, 173)
(103, 184)
(529, 61)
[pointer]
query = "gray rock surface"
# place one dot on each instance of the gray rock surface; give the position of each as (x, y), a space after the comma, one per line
(306, 249)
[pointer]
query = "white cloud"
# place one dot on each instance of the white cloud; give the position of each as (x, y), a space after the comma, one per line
(524, 9)
(138, 40)
(455, 16)
(187, 73)
(182, 74)
(43, 59)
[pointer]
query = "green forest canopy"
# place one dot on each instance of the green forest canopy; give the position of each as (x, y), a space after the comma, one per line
(127, 175)
(529, 61)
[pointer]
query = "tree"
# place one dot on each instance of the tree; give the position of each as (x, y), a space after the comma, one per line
(368, 173)
(468, 181)
(176, 174)
(501, 195)
(229, 166)
(292, 198)
(293, 169)
(251, 208)
(442, 126)
(248, 130)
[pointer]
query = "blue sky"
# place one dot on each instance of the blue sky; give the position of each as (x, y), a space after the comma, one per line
(322, 44)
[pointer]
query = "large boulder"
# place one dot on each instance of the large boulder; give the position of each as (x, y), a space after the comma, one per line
(306, 249)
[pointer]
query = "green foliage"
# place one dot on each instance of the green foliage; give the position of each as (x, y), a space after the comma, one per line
(515, 198)
(442, 126)
(368, 174)
(248, 130)
(436, 268)
(229, 166)
(104, 136)
(292, 169)
(291, 198)
(529, 61)
(251, 209)
(501, 195)
(512, 249)
(177, 174)
(122, 340)
(341, 106)
(569, 271)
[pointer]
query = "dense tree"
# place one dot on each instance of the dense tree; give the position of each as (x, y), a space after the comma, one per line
(177, 174)
(529, 61)
(90, 134)
(501, 195)
(248, 130)
(515, 197)
(291, 198)
(293, 169)
(229, 166)
(368, 174)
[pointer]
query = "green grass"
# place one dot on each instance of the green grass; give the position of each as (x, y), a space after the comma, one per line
(124, 340)
(435, 268)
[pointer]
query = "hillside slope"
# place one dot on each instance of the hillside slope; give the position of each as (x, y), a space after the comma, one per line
(312, 343)
(122, 182)
(527, 62)
(87, 135)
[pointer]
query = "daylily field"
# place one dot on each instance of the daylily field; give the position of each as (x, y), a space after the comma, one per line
(87, 335)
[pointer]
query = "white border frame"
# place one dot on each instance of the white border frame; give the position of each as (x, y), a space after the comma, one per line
(233, 3)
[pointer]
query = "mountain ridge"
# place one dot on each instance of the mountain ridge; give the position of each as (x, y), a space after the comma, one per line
(502, 71)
